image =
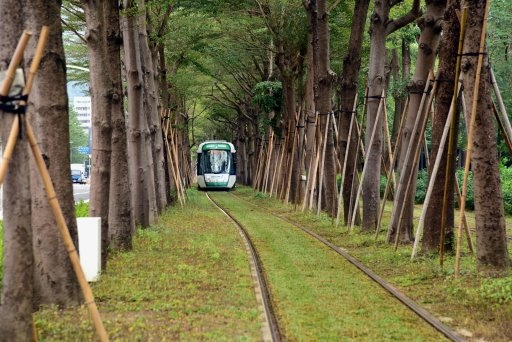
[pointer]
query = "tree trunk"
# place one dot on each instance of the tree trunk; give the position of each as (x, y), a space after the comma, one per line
(54, 281)
(324, 106)
(447, 66)
(492, 253)
(155, 141)
(348, 91)
(18, 261)
(376, 81)
(101, 90)
(399, 96)
(136, 117)
(430, 25)
(121, 224)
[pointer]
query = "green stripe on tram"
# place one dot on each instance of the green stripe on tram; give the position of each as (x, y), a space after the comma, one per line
(216, 146)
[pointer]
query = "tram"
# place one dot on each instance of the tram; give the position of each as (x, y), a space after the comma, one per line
(216, 165)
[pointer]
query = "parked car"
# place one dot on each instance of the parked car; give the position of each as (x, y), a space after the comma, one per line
(77, 176)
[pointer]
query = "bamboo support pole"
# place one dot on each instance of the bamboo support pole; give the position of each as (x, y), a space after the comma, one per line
(503, 110)
(170, 162)
(433, 177)
(397, 206)
(453, 136)
(315, 173)
(269, 158)
(502, 128)
(388, 142)
(368, 152)
(392, 163)
(292, 162)
(174, 150)
(322, 164)
(345, 160)
(416, 157)
(258, 167)
(68, 242)
(309, 171)
(465, 222)
(476, 90)
(4, 91)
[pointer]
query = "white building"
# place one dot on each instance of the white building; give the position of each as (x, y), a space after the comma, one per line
(82, 106)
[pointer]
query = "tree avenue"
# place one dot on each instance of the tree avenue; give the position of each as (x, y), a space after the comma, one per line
(316, 95)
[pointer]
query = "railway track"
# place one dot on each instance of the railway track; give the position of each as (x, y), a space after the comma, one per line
(270, 325)
(409, 303)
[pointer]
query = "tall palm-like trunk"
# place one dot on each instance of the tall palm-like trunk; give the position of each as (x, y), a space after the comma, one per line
(447, 66)
(492, 253)
(120, 218)
(430, 25)
(347, 93)
(54, 279)
(18, 261)
(101, 90)
(136, 117)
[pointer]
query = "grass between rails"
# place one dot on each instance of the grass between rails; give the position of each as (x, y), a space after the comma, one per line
(317, 294)
(477, 307)
(187, 278)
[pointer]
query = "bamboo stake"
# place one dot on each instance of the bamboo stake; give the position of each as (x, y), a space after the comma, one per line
(453, 136)
(315, 172)
(503, 110)
(398, 206)
(258, 167)
(502, 128)
(416, 156)
(368, 152)
(345, 160)
(4, 91)
(465, 222)
(174, 150)
(321, 179)
(392, 163)
(292, 162)
(470, 137)
(310, 166)
(388, 142)
(269, 158)
(171, 166)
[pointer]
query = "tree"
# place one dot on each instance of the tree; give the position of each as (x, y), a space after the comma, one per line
(430, 25)
(18, 261)
(347, 92)
(101, 93)
(77, 138)
(121, 226)
(381, 27)
(447, 66)
(492, 253)
(136, 118)
(54, 279)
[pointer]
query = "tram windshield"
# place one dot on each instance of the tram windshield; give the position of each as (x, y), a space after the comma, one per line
(216, 161)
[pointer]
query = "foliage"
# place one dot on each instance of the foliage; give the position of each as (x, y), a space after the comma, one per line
(77, 137)
(268, 96)
(497, 290)
(81, 209)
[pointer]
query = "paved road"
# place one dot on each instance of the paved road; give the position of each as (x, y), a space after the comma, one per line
(81, 192)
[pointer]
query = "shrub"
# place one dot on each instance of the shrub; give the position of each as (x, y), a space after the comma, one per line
(82, 209)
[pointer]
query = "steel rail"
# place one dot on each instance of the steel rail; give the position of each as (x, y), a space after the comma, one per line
(270, 329)
(413, 306)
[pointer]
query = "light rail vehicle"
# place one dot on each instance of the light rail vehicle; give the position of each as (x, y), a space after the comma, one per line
(216, 165)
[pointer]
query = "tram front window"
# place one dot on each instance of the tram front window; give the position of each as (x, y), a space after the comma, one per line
(216, 161)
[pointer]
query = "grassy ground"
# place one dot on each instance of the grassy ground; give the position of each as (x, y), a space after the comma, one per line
(477, 307)
(318, 295)
(187, 278)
